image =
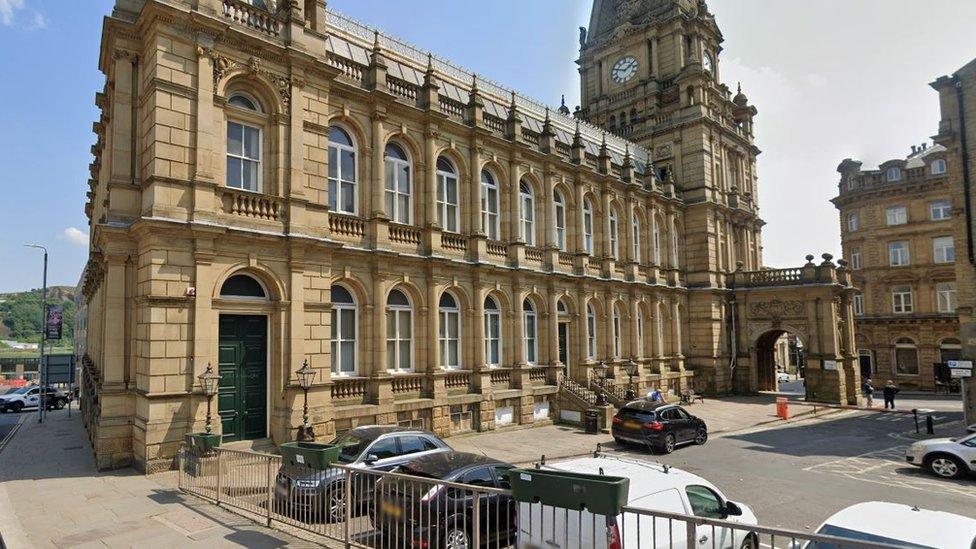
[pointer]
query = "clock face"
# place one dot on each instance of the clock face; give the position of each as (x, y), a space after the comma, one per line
(624, 70)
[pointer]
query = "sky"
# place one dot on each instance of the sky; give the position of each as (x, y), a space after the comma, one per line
(832, 79)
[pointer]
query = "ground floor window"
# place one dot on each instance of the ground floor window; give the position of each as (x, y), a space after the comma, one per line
(950, 349)
(906, 357)
(462, 418)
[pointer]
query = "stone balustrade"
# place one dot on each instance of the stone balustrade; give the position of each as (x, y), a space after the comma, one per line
(254, 17)
(248, 204)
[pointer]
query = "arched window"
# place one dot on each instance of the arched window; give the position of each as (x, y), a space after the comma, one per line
(612, 126)
(656, 234)
(561, 308)
(938, 166)
(527, 213)
(617, 335)
(633, 116)
(399, 333)
(674, 245)
(614, 236)
(242, 286)
(559, 210)
(950, 349)
(450, 332)
(493, 332)
(448, 212)
(243, 146)
(531, 338)
(659, 328)
(590, 331)
(489, 205)
(587, 227)
(635, 222)
(640, 334)
(398, 184)
(894, 173)
(906, 357)
(342, 172)
(344, 331)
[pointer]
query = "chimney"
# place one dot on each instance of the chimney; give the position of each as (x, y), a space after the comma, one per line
(925, 146)
(914, 150)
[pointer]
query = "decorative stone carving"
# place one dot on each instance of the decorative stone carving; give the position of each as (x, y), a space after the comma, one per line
(777, 309)
(282, 84)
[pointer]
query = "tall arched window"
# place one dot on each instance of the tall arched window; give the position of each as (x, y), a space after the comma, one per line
(527, 213)
(590, 331)
(242, 286)
(674, 245)
(344, 331)
(489, 205)
(448, 212)
(640, 334)
(243, 144)
(587, 227)
(614, 235)
(493, 332)
(617, 335)
(906, 357)
(399, 333)
(559, 208)
(342, 172)
(398, 184)
(659, 328)
(612, 126)
(656, 234)
(449, 336)
(635, 222)
(529, 326)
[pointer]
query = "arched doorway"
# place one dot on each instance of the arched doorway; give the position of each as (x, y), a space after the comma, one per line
(778, 352)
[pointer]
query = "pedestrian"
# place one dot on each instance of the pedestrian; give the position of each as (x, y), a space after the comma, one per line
(868, 390)
(890, 390)
(655, 395)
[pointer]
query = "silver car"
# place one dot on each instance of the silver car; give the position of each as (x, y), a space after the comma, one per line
(945, 457)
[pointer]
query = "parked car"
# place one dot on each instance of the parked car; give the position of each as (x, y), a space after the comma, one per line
(945, 457)
(782, 377)
(30, 397)
(653, 487)
(425, 514)
(311, 493)
(897, 525)
(659, 426)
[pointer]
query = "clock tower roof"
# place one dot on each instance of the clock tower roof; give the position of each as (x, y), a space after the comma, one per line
(609, 15)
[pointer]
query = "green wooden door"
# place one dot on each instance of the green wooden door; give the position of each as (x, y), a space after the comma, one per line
(242, 401)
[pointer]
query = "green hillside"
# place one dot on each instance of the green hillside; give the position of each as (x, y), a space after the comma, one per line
(20, 314)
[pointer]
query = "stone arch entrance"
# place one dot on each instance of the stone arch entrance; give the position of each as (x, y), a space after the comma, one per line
(813, 303)
(770, 359)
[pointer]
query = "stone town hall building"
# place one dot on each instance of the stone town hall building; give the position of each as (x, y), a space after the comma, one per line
(273, 183)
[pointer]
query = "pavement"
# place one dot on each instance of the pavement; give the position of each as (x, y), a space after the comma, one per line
(723, 417)
(52, 496)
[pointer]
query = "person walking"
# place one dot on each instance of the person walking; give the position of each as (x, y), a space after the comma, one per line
(868, 389)
(890, 390)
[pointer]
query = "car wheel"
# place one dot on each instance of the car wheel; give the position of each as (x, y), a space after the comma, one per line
(669, 443)
(17, 407)
(59, 404)
(701, 436)
(3, 410)
(620, 441)
(750, 542)
(335, 502)
(945, 466)
(456, 537)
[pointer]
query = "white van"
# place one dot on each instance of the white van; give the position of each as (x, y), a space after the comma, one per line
(898, 525)
(654, 487)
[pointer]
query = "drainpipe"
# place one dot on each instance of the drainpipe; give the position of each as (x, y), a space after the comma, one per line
(966, 183)
(734, 339)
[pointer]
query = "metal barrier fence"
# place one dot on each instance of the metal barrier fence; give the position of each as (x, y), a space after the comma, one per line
(377, 509)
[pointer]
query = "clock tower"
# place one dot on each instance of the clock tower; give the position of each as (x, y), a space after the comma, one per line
(650, 72)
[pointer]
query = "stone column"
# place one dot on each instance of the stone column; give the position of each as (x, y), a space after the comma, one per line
(429, 219)
(553, 327)
(433, 323)
(478, 330)
(203, 316)
(379, 326)
(580, 373)
(377, 207)
(206, 133)
(634, 333)
(608, 309)
(518, 328)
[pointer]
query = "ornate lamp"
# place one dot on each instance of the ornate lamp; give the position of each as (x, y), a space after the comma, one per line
(601, 375)
(305, 377)
(209, 382)
(631, 368)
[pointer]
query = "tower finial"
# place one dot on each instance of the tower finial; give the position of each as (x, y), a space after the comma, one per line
(376, 40)
(430, 62)
(740, 87)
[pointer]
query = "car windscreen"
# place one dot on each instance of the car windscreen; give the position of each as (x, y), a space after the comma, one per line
(22, 391)
(352, 446)
(831, 530)
(642, 416)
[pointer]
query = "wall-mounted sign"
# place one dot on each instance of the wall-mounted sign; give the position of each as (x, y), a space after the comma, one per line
(830, 365)
(961, 364)
(960, 373)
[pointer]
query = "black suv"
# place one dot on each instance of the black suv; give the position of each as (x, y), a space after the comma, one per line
(423, 513)
(311, 493)
(659, 426)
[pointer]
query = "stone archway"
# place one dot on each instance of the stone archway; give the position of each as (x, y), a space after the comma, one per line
(814, 303)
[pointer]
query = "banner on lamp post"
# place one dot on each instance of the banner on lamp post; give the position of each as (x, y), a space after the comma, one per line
(53, 321)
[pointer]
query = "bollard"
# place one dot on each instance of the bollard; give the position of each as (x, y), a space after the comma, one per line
(929, 425)
(915, 414)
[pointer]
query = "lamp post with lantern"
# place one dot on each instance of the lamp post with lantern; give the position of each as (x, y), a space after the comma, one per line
(305, 376)
(601, 375)
(210, 383)
(631, 368)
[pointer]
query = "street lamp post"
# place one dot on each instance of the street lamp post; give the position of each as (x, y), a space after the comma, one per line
(305, 376)
(601, 375)
(210, 382)
(631, 368)
(40, 361)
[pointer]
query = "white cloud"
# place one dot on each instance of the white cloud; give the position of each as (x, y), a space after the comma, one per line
(72, 234)
(11, 12)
